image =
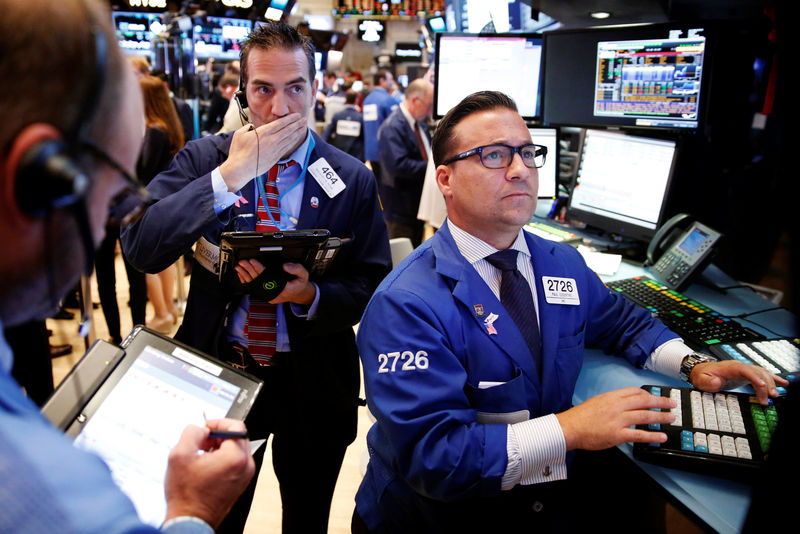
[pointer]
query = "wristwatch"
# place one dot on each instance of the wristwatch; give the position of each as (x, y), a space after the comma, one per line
(690, 361)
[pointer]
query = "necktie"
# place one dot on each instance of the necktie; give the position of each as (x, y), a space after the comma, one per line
(422, 149)
(517, 299)
(261, 325)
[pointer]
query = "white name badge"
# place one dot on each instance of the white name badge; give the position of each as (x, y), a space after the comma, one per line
(326, 177)
(560, 290)
(370, 112)
(348, 128)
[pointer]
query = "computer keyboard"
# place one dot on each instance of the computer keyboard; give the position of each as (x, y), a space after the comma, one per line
(722, 434)
(700, 326)
(551, 233)
(778, 356)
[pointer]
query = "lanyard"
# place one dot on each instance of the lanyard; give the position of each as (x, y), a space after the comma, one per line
(300, 179)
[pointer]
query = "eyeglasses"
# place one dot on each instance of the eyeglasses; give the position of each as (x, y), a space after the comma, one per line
(500, 156)
(128, 205)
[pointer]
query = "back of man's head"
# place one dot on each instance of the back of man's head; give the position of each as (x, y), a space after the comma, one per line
(474, 103)
(350, 97)
(272, 35)
(65, 128)
(58, 77)
(418, 87)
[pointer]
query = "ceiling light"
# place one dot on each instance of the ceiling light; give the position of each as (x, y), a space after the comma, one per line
(600, 14)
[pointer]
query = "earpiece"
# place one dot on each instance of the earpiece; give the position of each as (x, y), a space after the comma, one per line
(48, 179)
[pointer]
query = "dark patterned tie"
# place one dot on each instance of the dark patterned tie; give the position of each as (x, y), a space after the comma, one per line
(517, 299)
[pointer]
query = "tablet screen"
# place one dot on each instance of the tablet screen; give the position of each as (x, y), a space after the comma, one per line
(143, 416)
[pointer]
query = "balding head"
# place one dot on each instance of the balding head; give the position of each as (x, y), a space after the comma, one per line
(419, 98)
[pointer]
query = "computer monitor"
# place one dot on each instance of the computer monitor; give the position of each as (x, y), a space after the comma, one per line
(548, 174)
(466, 63)
(654, 76)
(219, 37)
(622, 183)
(135, 31)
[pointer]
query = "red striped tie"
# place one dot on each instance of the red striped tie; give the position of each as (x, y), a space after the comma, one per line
(261, 325)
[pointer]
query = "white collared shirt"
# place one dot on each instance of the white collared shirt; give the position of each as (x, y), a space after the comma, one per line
(537, 448)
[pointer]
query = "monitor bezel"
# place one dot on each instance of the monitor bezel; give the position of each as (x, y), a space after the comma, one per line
(554, 156)
(632, 33)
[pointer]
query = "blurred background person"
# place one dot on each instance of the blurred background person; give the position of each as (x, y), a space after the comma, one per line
(346, 129)
(162, 139)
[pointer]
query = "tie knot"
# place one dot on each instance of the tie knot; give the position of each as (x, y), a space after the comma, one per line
(505, 260)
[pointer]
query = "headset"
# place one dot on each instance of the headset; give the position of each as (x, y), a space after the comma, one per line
(49, 177)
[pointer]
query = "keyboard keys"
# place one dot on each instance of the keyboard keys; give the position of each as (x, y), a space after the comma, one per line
(727, 429)
(778, 356)
(700, 326)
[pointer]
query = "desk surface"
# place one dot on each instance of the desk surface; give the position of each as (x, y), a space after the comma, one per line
(720, 503)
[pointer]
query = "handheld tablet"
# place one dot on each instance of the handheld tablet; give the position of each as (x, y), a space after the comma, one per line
(314, 249)
(130, 404)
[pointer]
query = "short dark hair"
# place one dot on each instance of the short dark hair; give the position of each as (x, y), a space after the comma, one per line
(276, 35)
(474, 103)
(350, 96)
(378, 76)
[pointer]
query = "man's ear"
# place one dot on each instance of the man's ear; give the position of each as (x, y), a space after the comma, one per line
(443, 176)
(26, 140)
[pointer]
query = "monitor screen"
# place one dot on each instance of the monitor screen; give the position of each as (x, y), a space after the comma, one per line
(135, 31)
(622, 183)
(466, 63)
(641, 76)
(219, 37)
(548, 174)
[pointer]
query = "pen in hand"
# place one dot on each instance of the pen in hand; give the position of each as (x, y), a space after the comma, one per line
(225, 434)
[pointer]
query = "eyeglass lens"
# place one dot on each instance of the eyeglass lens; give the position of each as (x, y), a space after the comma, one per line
(500, 156)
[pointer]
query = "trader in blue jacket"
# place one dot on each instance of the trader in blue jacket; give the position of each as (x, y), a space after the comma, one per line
(377, 107)
(472, 401)
(346, 130)
(213, 185)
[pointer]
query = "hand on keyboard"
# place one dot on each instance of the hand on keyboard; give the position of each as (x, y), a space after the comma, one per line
(713, 376)
(606, 420)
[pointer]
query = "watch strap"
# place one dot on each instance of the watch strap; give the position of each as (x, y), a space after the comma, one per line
(689, 363)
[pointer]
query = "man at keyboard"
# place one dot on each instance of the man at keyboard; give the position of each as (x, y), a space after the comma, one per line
(472, 346)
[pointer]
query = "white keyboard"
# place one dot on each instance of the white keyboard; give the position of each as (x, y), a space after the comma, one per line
(778, 356)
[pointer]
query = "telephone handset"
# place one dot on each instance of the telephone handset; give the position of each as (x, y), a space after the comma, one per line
(241, 102)
(680, 249)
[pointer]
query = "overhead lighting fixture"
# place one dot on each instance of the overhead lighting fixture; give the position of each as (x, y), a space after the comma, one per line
(600, 14)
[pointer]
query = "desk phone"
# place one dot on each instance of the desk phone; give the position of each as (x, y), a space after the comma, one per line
(722, 434)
